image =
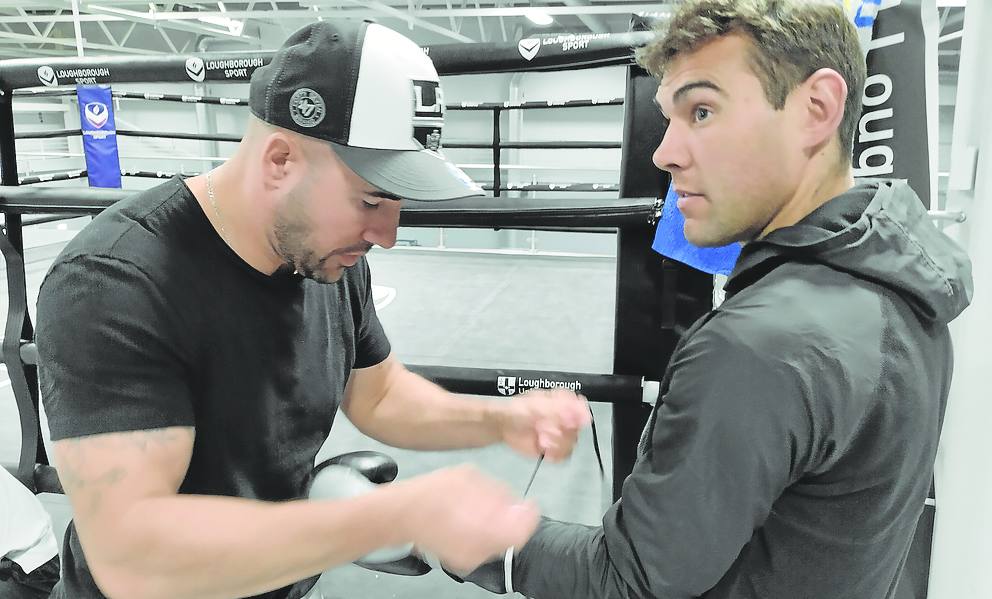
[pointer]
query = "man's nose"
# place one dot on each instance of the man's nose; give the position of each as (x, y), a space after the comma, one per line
(382, 230)
(670, 155)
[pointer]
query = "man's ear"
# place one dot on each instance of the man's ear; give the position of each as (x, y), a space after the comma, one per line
(824, 94)
(282, 161)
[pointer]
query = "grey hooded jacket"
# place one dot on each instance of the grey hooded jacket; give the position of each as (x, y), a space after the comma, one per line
(792, 448)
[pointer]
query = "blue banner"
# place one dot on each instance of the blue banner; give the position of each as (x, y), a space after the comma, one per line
(96, 119)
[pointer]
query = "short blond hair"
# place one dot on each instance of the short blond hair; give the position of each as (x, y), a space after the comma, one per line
(791, 39)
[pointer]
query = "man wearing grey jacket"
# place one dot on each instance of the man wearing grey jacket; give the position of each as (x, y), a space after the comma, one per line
(792, 447)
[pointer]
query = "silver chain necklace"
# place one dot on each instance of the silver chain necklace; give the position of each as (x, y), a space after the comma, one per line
(220, 217)
(213, 202)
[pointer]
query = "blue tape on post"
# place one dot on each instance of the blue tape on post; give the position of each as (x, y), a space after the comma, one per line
(670, 241)
(865, 12)
(96, 119)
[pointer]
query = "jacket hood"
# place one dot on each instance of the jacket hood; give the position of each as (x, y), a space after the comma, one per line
(878, 230)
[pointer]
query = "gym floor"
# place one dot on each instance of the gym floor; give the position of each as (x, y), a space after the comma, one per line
(449, 309)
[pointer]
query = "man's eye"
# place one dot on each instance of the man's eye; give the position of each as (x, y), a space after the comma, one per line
(701, 114)
(369, 205)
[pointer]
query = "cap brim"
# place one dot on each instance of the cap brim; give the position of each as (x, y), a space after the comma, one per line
(410, 174)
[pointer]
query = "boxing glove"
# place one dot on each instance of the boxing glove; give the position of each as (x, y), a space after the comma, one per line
(357, 473)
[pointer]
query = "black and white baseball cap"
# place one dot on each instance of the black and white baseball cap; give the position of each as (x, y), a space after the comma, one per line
(374, 95)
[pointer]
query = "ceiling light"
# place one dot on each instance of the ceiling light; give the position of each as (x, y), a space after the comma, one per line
(538, 17)
(233, 26)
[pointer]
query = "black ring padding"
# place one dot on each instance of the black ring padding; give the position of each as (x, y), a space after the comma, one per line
(47, 134)
(515, 213)
(533, 105)
(501, 57)
(178, 135)
(555, 54)
(535, 145)
(609, 388)
(526, 213)
(58, 200)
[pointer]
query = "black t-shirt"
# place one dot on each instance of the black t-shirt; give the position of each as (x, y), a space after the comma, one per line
(148, 320)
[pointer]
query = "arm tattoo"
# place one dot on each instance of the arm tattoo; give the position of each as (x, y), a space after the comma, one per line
(74, 463)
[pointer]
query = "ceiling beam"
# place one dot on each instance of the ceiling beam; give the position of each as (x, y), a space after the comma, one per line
(127, 34)
(168, 40)
(34, 52)
(30, 22)
(408, 17)
(51, 25)
(451, 20)
(52, 19)
(502, 26)
(60, 41)
(106, 32)
(19, 43)
(173, 20)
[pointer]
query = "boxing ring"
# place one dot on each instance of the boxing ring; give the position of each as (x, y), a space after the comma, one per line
(656, 299)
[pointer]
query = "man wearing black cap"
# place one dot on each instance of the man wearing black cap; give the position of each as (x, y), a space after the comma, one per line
(197, 339)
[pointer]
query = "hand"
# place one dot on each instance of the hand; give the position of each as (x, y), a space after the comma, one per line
(464, 518)
(544, 422)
